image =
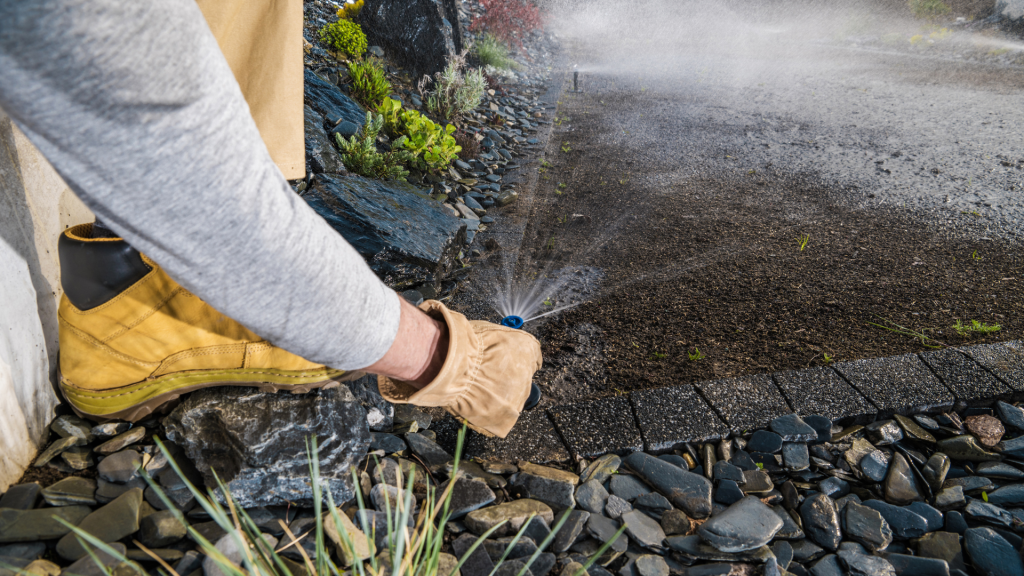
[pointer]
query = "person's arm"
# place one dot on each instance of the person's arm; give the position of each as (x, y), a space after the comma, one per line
(419, 349)
(134, 105)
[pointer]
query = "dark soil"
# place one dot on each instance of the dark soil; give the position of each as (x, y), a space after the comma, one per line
(709, 260)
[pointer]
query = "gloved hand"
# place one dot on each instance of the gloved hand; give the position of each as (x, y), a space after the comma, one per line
(486, 375)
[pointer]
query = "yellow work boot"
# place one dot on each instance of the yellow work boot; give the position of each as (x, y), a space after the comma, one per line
(132, 339)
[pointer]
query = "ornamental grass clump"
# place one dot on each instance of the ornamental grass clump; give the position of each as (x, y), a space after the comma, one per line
(413, 540)
(453, 93)
(490, 51)
(344, 36)
(369, 84)
(360, 154)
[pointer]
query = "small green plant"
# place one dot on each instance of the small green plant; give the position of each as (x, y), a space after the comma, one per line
(695, 355)
(921, 335)
(551, 243)
(802, 241)
(984, 495)
(344, 36)
(660, 355)
(566, 148)
(975, 255)
(545, 164)
(453, 92)
(929, 9)
(975, 327)
(360, 155)
(562, 185)
(828, 358)
(760, 465)
(548, 302)
(369, 84)
(432, 147)
(491, 52)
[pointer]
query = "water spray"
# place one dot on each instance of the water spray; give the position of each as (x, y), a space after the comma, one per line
(533, 399)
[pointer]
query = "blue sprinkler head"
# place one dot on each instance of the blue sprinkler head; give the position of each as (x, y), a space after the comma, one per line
(512, 322)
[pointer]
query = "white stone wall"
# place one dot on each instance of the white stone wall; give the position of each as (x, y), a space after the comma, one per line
(35, 206)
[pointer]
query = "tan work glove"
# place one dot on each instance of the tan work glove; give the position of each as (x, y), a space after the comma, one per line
(486, 375)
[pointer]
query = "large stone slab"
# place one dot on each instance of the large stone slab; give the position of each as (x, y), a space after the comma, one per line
(898, 384)
(594, 428)
(256, 441)
(686, 490)
(406, 237)
(823, 391)
(747, 402)
(965, 378)
(673, 415)
(1005, 360)
(331, 103)
(533, 438)
(417, 34)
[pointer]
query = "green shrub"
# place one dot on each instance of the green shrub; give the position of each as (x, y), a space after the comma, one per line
(369, 84)
(491, 52)
(431, 146)
(454, 93)
(929, 8)
(344, 36)
(360, 155)
(350, 11)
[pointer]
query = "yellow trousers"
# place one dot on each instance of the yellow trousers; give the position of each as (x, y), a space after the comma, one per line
(262, 41)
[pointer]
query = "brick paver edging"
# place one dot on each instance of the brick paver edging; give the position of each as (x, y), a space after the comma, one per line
(660, 419)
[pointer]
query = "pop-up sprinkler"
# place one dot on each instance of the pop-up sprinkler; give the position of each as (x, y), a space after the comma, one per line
(534, 398)
(512, 322)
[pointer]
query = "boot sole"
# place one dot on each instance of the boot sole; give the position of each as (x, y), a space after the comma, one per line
(136, 401)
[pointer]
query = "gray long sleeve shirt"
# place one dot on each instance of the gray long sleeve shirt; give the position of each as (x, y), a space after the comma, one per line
(136, 108)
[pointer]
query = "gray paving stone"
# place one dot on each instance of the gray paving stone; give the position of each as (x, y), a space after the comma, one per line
(1005, 360)
(747, 402)
(673, 415)
(968, 381)
(898, 384)
(597, 427)
(533, 438)
(823, 391)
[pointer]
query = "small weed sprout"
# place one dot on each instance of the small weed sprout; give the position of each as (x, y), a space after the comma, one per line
(695, 355)
(897, 329)
(453, 92)
(551, 243)
(975, 327)
(548, 302)
(566, 148)
(660, 355)
(975, 255)
(828, 358)
(802, 241)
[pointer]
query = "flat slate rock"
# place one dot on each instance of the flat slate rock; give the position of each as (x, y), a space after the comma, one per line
(533, 438)
(672, 415)
(1005, 360)
(597, 427)
(966, 378)
(746, 525)
(688, 491)
(330, 102)
(747, 402)
(38, 524)
(897, 384)
(823, 391)
(405, 235)
(991, 554)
